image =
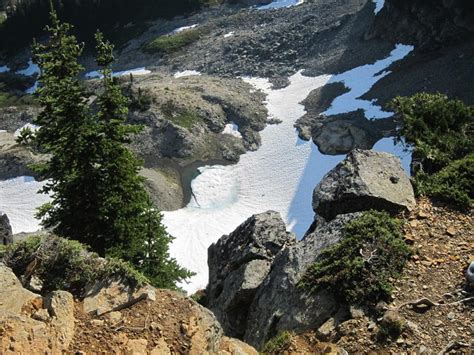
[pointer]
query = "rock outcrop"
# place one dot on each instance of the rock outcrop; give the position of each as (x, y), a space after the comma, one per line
(112, 295)
(255, 271)
(6, 235)
(238, 264)
(425, 23)
(279, 303)
(364, 180)
(29, 322)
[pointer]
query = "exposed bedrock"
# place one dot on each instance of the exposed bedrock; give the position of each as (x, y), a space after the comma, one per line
(364, 180)
(428, 24)
(238, 263)
(339, 134)
(6, 236)
(254, 272)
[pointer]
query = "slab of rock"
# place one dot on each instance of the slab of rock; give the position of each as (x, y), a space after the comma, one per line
(113, 295)
(13, 297)
(6, 235)
(231, 346)
(364, 180)
(279, 304)
(60, 305)
(238, 264)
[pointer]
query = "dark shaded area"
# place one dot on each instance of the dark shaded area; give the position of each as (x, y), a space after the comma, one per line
(428, 24)
(28, 18)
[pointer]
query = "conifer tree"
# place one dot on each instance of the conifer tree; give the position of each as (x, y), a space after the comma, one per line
(98, 197)
(68, 134)
(133, 224)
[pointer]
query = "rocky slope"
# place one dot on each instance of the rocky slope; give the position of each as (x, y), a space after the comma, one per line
(111, 316)
(255, 294)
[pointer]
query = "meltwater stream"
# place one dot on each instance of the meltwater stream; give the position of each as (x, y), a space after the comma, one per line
(280, 175)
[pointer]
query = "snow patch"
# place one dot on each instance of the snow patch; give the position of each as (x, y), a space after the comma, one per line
(184, 28)
(4, 69)
(184, 73)
(281, 175)
(31, 70)
(378, 5)
(136, 71)
(19, 199)
(230, 34)
(232, 129)
(360, 80)
(278, 4)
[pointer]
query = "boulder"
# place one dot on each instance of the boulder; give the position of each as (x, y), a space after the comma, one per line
(60, 305)
(113, 295)
(231, 346)
(13, 297)
(280, 304)
(6, 235)
(238, 264)
(364, 180)
(25, 326)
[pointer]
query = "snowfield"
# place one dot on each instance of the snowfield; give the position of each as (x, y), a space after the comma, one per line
(137, 71)
(278, 4)
(19, 200)
(280, 175)
(184, 73)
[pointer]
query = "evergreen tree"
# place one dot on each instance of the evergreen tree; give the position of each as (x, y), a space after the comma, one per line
(68, 134)
(98, 198)
(134, 229)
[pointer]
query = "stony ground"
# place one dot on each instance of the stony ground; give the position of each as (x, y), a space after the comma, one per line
(443, 244)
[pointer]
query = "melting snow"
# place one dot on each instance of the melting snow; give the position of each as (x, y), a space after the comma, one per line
(278, 4)
(4, 69)
(184, 28)
(136, 71)
(281, 175)
(378, 5)
(31, 70)
(19, 200)
(182, 74)
(232, 129)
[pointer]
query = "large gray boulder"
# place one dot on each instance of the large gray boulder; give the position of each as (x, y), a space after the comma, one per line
(364, 180)
(6, 236)
(279, 303)
(238, 264)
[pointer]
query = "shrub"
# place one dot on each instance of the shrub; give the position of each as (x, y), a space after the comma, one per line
(26, 136)
(278, 344)
(63, 264)
(359, 268)
(441, 133)
(171, 43)
(438, 129)
(454, 183)
(181, 116)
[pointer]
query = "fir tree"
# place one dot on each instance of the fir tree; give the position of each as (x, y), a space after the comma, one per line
(133, 224)
(68, 134)
(98, 197)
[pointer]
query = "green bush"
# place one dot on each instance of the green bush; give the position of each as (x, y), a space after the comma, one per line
(438, 129)
(441, 133)
(454, 183)
(171, 43)
(278, 344)
(63, 264)
(359, 269)
(181, 116)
